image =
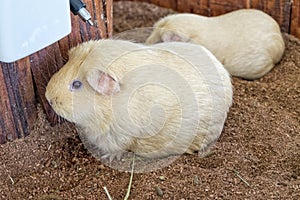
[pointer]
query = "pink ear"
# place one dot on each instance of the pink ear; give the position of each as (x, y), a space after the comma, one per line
(170, 36)
(103, 83)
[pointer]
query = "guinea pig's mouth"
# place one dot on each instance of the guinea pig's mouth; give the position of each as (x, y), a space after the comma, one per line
(50, 102)
(61, 111)
(53, 102)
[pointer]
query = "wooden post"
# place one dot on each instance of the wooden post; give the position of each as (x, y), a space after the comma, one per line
(17, 100)
(295, 21)
(280, 10)
(22, 83)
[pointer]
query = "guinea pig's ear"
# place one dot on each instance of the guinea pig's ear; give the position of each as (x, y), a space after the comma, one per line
(171, 36)
(103, 83)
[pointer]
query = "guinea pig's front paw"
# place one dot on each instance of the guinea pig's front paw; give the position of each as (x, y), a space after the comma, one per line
(112, 156)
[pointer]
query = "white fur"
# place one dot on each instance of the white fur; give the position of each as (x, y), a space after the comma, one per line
(173, 98)
(247, 42)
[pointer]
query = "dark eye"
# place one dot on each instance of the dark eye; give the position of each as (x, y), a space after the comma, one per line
(76, 85)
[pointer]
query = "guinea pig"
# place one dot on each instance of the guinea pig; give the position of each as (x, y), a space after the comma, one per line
(247, 42)
(157, 100)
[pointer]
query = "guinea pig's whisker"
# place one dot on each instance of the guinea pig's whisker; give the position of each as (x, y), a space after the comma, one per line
(65, 60)
(69, 126)
(59, 120)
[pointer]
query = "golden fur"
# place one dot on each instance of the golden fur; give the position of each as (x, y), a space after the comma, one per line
(173, 97)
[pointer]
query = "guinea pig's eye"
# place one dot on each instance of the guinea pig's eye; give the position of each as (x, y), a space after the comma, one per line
(76, 85)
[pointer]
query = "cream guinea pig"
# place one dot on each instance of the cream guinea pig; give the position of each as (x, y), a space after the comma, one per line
(247, 42)
(158, 100)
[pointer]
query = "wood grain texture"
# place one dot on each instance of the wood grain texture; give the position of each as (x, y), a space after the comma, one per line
(295, 18)
(6, 117)
(23, 83)
(18, 103)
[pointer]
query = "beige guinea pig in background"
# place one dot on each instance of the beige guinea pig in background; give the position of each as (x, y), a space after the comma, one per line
(160, 100)
(247, 42)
